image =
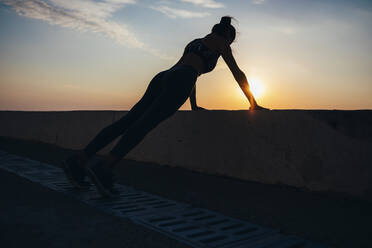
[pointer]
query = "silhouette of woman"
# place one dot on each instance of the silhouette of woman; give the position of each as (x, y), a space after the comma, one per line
(165, 94)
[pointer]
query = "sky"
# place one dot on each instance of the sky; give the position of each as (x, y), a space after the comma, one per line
(101, 55)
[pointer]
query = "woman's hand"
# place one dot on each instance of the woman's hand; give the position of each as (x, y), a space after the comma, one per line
(197, 108)
(258, 107)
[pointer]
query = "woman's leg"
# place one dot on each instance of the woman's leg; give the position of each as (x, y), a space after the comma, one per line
(109, 133)
(178, 87)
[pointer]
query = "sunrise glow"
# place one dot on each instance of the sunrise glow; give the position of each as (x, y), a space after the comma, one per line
(102, 54)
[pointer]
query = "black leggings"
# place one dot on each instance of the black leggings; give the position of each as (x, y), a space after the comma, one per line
(166, 93)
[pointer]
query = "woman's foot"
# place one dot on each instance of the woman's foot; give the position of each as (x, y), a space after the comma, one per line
(74, 170)
(101, 175)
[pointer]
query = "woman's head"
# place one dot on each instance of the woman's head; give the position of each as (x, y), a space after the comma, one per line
(225, 29)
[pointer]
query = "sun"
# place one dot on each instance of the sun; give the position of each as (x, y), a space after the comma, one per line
(256, 87)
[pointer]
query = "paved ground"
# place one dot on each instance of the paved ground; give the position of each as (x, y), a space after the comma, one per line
(38, 216)
(34, 216)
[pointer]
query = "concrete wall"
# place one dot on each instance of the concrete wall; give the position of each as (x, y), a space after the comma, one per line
(318, 150)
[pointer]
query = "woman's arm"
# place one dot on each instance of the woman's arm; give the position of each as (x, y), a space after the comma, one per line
(193, 99)
(239, 75)
(194, 106)
(243, 83)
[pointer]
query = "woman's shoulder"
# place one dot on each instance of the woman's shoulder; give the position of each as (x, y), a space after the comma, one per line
(216, 42)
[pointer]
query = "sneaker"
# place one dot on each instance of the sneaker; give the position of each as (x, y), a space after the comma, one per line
(103, 178)
(75, 173)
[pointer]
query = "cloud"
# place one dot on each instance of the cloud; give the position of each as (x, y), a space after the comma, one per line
(258, 1)
(83, 15)
(205, 3)
(174, 13)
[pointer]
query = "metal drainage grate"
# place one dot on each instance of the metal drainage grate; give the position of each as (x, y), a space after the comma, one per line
(196, 227)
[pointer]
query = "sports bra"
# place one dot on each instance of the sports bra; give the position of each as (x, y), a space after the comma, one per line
(209, 57)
